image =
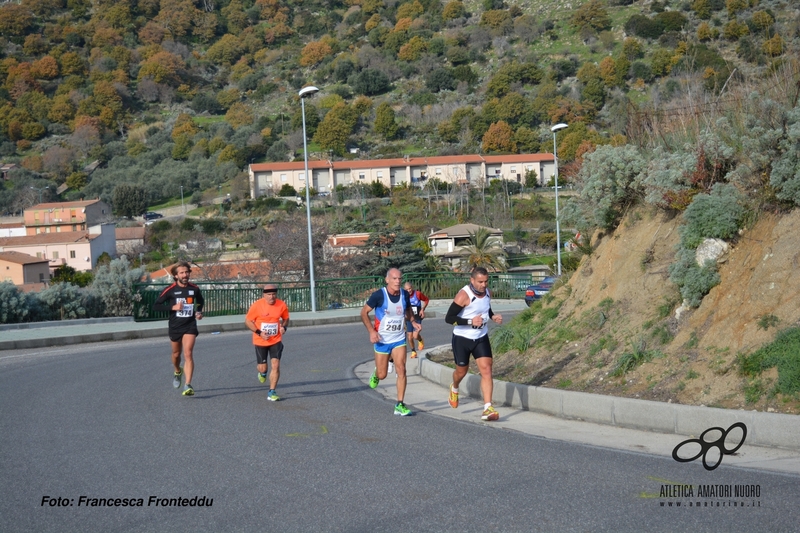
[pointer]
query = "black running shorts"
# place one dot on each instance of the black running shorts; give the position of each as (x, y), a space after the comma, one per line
(177, 336)
(264, 353)
(464, 347)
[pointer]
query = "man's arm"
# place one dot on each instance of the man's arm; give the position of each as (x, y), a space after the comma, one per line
(373, 335)
(162, 302)
(459, 303)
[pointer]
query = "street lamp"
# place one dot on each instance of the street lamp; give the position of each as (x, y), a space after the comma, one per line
(40, 192)
(183, 210)
(555, 129)
(308, 91)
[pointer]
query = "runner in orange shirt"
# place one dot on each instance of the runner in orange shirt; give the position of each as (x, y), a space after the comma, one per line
(268, 319)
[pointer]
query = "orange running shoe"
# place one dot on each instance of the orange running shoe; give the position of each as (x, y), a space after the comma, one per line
(490, 414)
(453, 399)
(413, 354)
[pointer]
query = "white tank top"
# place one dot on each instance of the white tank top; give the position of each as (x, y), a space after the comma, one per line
(476, 307)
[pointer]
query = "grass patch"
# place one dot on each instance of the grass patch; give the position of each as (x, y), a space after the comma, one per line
(205, 121)
(606, 342)
(564, 383)
(630, 360)
(783, 353)
(662, 334)
(768, 321)
(692, 342)
(691, 374)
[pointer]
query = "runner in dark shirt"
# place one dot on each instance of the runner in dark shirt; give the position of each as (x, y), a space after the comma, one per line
(184, 301)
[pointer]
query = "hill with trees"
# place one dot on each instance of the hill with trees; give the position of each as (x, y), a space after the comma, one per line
(180, 93)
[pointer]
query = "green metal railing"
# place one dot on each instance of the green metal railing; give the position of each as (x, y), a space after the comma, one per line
(235, 298)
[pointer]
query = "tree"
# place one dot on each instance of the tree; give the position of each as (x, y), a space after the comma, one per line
(114, 286)
(484, 251)
(371, 82)
(499, 138)
(332, 134)
(315, 52)
(592, 14)
(385, 123)
(130, 200)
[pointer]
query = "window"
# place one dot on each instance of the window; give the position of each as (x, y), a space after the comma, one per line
(74, 227)
(41, 277)
(36, 215)
(361, 175)
(72, 254)
(38, 255)
(283, 178)
(513, 170)
(302, 177)
(379, 174)
(55, 255)
(439, 171)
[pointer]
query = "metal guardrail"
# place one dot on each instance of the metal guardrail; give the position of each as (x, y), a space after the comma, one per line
(235, 298)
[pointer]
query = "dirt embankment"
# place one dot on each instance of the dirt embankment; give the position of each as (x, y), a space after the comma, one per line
(620, 303)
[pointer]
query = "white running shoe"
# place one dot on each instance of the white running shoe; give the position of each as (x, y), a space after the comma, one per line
(391, 367)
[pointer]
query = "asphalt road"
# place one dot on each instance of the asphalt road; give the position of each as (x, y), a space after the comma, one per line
(103, 421)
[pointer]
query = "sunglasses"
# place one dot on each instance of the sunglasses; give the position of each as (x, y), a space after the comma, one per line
(268, 291)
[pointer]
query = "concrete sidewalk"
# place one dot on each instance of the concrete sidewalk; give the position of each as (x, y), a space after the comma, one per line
(423, 395)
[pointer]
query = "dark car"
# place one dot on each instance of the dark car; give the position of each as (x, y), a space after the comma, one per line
(534, 292)
(150, 215)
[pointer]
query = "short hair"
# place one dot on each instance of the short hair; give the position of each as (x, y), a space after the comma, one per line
(179, 264)
(479, 271)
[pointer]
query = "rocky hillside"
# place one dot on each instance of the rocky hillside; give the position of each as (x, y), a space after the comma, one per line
(620, 303)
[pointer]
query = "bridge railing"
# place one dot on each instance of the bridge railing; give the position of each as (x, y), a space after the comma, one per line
(235, 297)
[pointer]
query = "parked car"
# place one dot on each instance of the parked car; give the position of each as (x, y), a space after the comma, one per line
(150, 215)
(534, 292)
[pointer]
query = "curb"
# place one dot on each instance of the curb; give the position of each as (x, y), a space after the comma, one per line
(763, 429)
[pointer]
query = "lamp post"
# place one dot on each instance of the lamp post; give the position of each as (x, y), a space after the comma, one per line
(304, 92)
(183, 209)
(555, 129)
(40, 191)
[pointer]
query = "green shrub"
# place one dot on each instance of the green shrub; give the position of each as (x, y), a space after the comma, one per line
(693, 281)
(783, 353)
(609, 178)
(717, 215)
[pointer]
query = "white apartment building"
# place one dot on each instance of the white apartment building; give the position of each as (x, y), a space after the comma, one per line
(468, 169)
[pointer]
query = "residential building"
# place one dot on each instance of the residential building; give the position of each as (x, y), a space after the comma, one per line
(58, 217)
(343, 246)
(469, 169)
(129, 240)
(22, 269)
(78, 249)
(12, 229)
(447, 244)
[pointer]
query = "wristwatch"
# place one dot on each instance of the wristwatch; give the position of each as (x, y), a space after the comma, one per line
(469, 322)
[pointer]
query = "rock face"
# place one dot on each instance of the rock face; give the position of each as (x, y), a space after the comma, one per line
(620, 301)
(714, 250)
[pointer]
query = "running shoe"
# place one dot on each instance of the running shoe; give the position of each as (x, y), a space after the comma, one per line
(271, 396)
(262, 377)
(490, 414)
(413, 354)
(391, 368)
(188, 390)
(420, 343)
(176, 378)
(453, 399)
(401, 409)
(373, 380)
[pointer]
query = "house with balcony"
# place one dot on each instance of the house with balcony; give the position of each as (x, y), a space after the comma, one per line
(464, 170)
(58, 217)
(78, 249)
(447, 244)
(23, 269)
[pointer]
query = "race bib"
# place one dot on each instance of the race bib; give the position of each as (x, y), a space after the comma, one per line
(186, 310)
(393, 324)
(271, 329)
(415, 309)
